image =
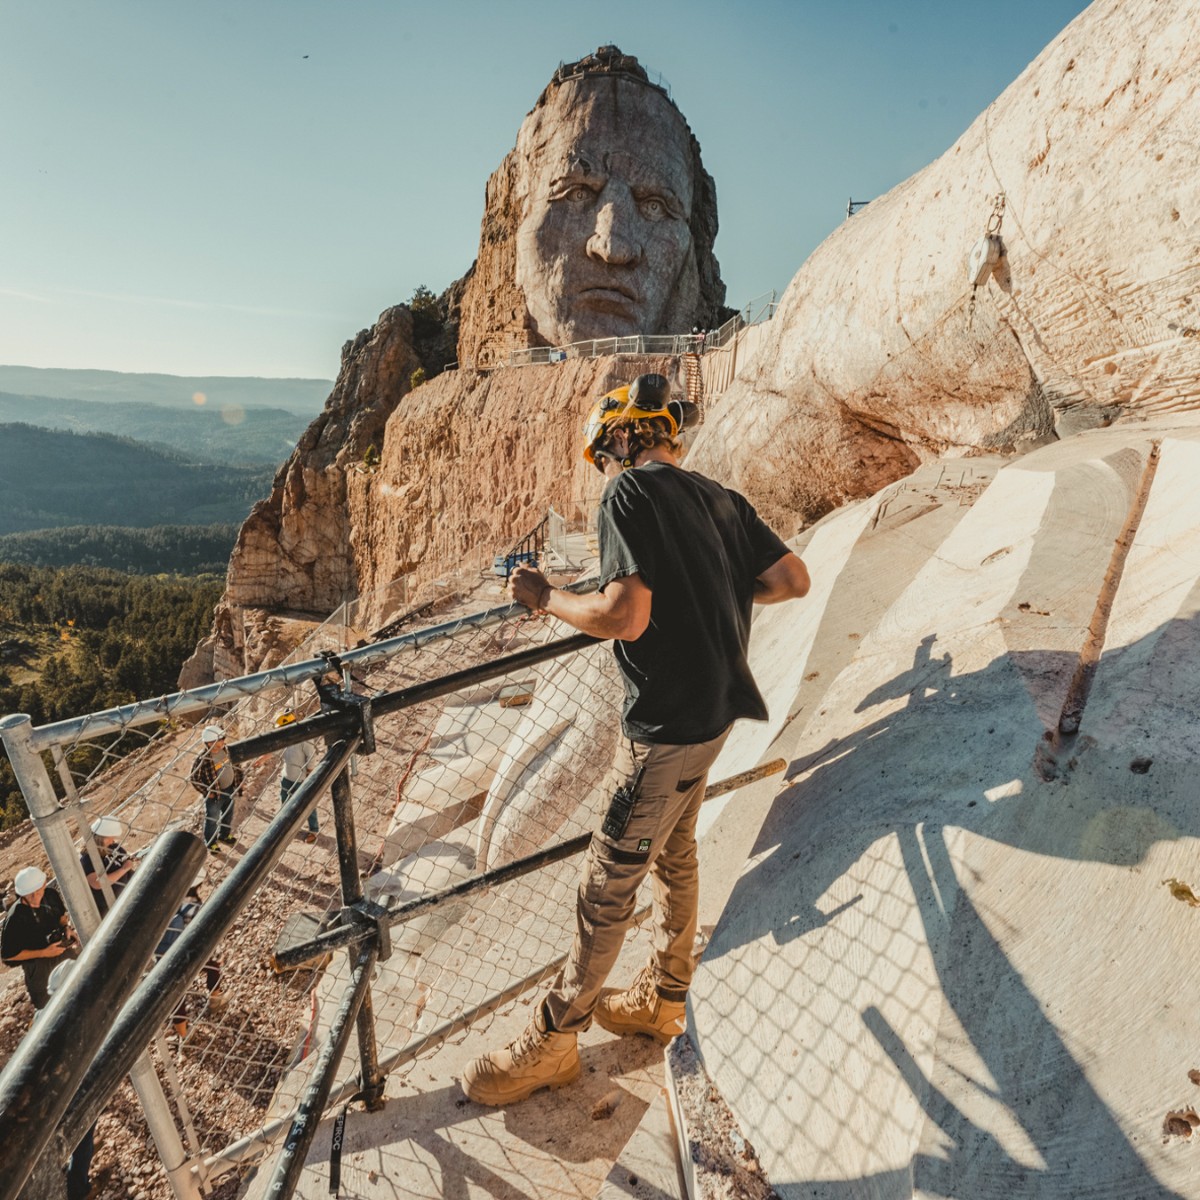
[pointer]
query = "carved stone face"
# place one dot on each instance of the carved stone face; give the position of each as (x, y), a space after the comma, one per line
(605, 189)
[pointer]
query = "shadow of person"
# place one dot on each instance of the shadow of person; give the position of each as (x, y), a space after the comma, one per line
(439, 1144)
(864, 896)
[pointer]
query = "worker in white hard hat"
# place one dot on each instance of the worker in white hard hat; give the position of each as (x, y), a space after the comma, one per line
(115, 866)
(218, 780)
(36, 932)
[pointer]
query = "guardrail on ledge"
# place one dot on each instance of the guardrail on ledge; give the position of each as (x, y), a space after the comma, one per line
(761, 308)
(450, 752)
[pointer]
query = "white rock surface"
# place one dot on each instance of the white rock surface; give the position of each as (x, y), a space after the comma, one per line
(951, 966)
(872, 364)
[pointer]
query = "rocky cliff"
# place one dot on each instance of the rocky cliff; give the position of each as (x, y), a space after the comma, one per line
(291, 553)
(881, 356)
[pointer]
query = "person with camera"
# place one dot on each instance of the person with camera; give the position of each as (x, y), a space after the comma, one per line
(36, 934)
(116, 864)
(682, 562)
(184, 916)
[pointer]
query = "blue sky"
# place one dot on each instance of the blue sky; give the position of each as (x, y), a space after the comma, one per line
(236, 188)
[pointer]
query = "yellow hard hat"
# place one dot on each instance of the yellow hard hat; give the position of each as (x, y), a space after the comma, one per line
(648, 396)
(287, 717)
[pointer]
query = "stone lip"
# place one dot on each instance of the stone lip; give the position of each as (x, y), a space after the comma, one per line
(719, 1163)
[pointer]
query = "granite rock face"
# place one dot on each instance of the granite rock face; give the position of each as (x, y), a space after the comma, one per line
(875, 361)
(294, 551)
(599, 223)
(882, 356)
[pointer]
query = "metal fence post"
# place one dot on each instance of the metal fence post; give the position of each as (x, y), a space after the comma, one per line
(51, 824)
(45, 1071)
(352, 893)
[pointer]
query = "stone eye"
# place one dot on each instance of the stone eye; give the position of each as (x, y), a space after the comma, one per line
(579, 194)
(652, 208)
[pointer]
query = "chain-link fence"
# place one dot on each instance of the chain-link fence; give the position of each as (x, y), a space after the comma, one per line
(458, 783)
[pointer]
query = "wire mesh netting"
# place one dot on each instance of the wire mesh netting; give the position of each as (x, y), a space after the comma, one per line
(456, 786)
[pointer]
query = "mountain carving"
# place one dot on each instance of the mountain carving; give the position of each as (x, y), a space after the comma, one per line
(599, 223)
(882, 355)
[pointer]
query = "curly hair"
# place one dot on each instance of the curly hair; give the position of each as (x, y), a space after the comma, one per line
(644, 434)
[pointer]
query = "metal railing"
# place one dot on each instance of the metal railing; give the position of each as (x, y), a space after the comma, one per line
(47, 1070)
(419, 792)
(655, 79)
(641, 343)
(761, 308)
(526, 551)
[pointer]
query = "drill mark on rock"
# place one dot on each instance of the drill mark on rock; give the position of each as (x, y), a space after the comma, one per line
(1194, 1076)
(1026, 607)
(1141, 766)
(606, 1105)
(1181, 891)
(1180, 1123)
(1093, 643)
(996, 554)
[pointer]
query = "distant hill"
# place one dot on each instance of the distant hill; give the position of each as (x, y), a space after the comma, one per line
(306, 396)
(242, 437)
(162, 549)
(50, 479)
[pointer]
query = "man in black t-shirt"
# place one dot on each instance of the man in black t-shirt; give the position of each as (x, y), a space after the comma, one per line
(683, 560)
(36, 935)
(115, 862)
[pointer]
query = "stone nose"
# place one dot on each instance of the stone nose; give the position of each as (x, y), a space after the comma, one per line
(615, 239)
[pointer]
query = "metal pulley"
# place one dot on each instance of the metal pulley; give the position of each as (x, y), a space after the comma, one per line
(985, 254)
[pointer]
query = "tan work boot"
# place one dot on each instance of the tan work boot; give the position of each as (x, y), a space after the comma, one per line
(539, 1058)
(640, 1009)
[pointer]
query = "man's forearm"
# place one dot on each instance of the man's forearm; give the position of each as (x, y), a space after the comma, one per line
(25, 955)
(591, 613)
(621, 610)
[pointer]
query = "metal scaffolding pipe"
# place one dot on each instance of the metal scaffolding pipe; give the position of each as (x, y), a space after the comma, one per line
(50, 820)
(351, 934)
(333, 722)
(41, 1078)
(203, 699)
(156, 999)
(290, 1163)
(347, 848)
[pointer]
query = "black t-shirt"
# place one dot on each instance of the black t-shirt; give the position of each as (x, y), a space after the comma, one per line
(116, 855)
(698, 547)
(27, 928)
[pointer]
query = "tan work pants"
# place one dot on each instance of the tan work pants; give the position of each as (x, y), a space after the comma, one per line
(661, 839)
